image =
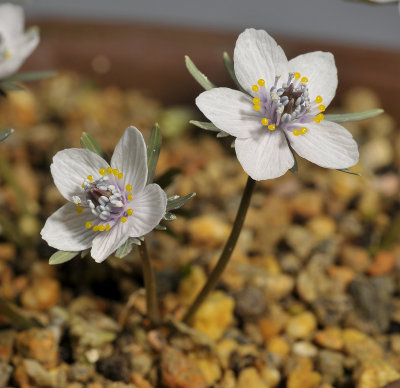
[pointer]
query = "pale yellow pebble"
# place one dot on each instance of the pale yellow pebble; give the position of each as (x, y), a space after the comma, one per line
(249, 377)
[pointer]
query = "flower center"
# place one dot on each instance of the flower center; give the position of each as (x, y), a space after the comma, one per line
(4, 52)
(288, 106)
(107, 198)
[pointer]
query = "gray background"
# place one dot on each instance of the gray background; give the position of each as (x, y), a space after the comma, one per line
(335, 20)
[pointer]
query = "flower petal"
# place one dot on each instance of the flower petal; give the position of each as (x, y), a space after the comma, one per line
(71, 166)
(256, 56)
(320, 69)
(264, 156)
(327, 144)
(148, 207)
(230, 110)
(11, 19)
(65, 229)
(130, 157)
(105, 243)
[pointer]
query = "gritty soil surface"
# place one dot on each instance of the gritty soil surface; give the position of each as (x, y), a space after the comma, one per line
(311, 297)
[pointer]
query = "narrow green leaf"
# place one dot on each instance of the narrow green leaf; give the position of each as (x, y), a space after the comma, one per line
(8, 85)
(205, 125)
(229, 67)
(62, 257)
(153, 152)
(5, 134)
(198, 75)
(160, 227)
(176, 203)
(348, 171)
(169, 216)
(30, 76)
(90, 143)
(223, 134)
(295, 167)
(85, 252)
(166, 179)
(345, 117)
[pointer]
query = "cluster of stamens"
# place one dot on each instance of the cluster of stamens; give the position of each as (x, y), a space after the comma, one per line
(106, 198)
(287, 105)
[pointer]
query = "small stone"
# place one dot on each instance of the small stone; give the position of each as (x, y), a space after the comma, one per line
(249, 377)
(179, 371)
(208, 231)
(42, 295)
(303, 378)
(383, 263)
(304, 349)
(7, 251)
(139, 381)
(330, 364)
(210, 369)
(322, 227)
(271, 376)
(7, 339)
(275, 287)
(307, 203)
(361, 98)
(330, 338)
(250, 303)
(356, 258)
(342, 275)
(375, 374)
(278, 345)
(377, 153)
(361, 346)
(81, 372)
(5, 373)
(224, 349)
(228, 380)
(215, 315)
(301, 326)
(300, 240)
(115, 367)
(269, 328)
(40, 345)
(190, 285)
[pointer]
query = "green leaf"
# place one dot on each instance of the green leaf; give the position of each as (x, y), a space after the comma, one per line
(85, 252)
(205, 125)
(153, 151)
(223, 134)
(5, 134)
(229, 67)
(90, 143)
(176, 202)
(198, 75)
(62, 257)
(29, 76)
(160, 227)
(10, 86)
(348, 171)
(169, 216)
(166, 179)
(345, 117)
(126, 247)
(295, 167)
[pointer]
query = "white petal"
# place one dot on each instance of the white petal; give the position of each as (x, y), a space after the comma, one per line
(105, 243)
(65, 229)
(71, 166)
(230, 110)
(130, 157)
(264, 156)
(327, 144)
(258, 56)
(320, 69)
(11, 19)
(148, 207)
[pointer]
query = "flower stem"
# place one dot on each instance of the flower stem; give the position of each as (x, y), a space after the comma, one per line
(226, 253)
(150, 285)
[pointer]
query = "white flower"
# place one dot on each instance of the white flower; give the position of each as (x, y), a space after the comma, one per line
(107, 204)
(283, 107)
(15, 44)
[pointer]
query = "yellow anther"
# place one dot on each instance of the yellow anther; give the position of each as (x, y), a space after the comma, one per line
(129, 211)
(271, 127)
(304, 79)
(254, 88)
(296, 132)
(129, 197)
(115, 171)
(120, 175)
(88, 225)
(109, 170)
(317, 120)
(264, 121)
(124, 219)
(257, 107)
(90, 178)
(261, 82)
(96, 228)
(256, 100)
(108, 227)
(322, 108)
(297, 75)
(78, 204)
(102, 171)
(83, 186)
(303, 131)
(320, 116)
(79, 210)
(128, 187)
(102, 228)
(318, 99)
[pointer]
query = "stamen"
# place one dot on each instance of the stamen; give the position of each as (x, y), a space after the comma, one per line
(256, 100)
(303, 130)
(297, 75)
(257, 107)
(102, 171)
(129, 197)
(264, 121)
(318, 99)
(261, 82)
(102, 228)
(79, 210)
(254, 88)
(129, 211)
(96, 228)
(90, 178)
(128, 188)
(304, 79)
(109, 170)
(271, 127)
(296, 132)
(124, 219)
(321, 108)
(88, 225)
(115, 171)
(120, 175)
(108, 227)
